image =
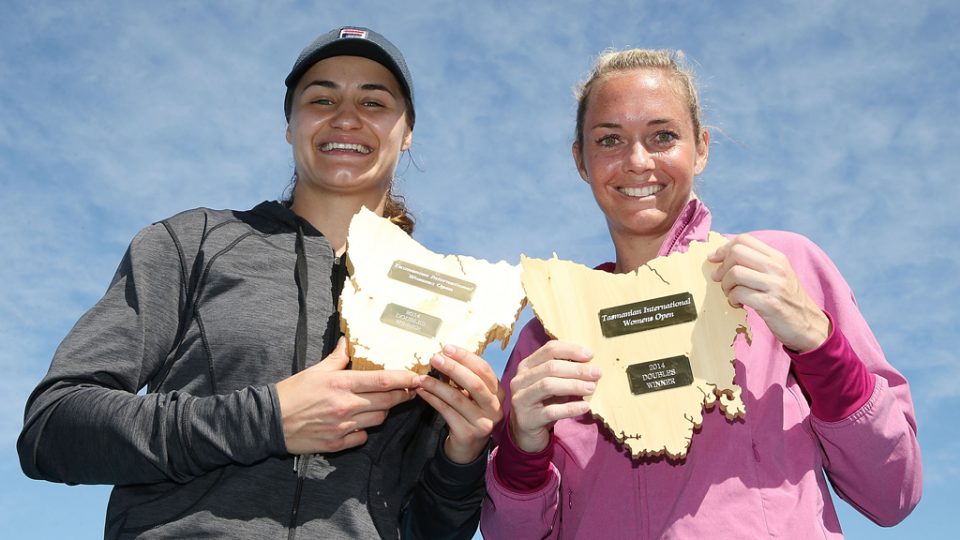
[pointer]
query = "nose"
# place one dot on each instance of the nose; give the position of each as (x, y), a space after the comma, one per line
(639, 160)
(346, 117)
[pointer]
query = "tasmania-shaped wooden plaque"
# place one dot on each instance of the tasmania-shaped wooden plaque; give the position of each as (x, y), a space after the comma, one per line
(403, 302)
(662, 336)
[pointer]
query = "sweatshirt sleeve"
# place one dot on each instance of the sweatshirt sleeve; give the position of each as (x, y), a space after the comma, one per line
(509, 513)
(446, 502)
(871, 455)
(519, 470)
(834, 378)
(86, 422)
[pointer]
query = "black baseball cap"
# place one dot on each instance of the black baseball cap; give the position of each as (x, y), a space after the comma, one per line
(351, 41)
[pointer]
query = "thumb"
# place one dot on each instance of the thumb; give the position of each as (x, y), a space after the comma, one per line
(336, 360)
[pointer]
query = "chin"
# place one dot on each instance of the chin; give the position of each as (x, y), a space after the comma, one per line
(642, 228)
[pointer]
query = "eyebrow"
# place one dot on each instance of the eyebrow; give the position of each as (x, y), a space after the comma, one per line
(614, 125)
(335, 86)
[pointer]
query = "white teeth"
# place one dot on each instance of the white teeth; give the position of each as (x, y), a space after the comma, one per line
(326, 147)
(644, 191)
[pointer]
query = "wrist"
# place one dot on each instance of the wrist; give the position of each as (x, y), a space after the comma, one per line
(462, 453)
(530, 443)
(818, 330)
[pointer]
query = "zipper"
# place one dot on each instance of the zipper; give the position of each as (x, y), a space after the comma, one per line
(300, 465)
(300, 462)
(679, 228)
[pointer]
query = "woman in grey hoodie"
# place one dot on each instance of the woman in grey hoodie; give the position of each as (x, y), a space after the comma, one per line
(250, 425)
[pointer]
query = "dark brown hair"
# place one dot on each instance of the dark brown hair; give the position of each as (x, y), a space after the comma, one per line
(395, 207)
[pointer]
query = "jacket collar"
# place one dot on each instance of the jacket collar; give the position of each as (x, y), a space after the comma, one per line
(284, 217)
(693, 223)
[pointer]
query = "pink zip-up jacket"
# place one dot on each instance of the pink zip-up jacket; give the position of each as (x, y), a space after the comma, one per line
(761, 477)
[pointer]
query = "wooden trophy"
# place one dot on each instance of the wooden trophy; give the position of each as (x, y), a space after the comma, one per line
(403, 302)
(662, 336)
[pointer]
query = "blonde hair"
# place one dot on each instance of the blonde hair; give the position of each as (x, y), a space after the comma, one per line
(613, 62)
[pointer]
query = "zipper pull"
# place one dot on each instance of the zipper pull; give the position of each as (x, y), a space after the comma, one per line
(301, 462)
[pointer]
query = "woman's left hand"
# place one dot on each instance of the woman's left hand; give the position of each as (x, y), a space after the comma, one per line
(472, 408)
(755, 275)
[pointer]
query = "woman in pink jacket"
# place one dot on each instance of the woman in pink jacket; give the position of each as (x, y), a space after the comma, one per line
(819, 394)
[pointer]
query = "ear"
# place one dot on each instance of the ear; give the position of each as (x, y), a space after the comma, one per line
(289, 134)
(407, 140)
(578, 160)
(703, 152)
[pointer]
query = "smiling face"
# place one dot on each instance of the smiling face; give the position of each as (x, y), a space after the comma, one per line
(639, 151)
(348, 126)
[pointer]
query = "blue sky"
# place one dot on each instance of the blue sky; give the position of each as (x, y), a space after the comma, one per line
(837, 120)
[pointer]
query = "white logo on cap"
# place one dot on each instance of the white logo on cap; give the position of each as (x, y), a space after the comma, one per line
(353, 33)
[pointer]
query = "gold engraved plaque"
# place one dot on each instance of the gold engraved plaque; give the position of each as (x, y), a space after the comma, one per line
(647, 315)
(429, 280)
(663, 374)
(411, 320)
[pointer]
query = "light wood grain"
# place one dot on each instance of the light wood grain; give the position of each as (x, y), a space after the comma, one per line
(567, 297)
(374, 245)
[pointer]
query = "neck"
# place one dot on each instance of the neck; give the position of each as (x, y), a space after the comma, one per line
(635, 251)
(331, 213)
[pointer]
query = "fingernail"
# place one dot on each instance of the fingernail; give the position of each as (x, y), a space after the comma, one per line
(437, 360)
(595, 372)
(587, 352)
(449, 349)
(589, 387)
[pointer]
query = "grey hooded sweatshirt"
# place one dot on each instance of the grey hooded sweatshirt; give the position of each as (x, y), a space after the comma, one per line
(207, 311)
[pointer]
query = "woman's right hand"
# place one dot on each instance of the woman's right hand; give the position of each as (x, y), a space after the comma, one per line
(326, 408)
(542, 388)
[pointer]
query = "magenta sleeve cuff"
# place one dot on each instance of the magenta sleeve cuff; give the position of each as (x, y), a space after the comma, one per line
(521, 471)
(833, 376)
